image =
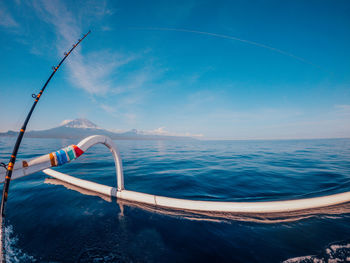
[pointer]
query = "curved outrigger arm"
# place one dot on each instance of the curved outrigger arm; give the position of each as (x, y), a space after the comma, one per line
(71, 152)
(65, 155)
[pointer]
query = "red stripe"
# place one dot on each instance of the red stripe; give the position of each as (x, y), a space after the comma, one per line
(77, 151)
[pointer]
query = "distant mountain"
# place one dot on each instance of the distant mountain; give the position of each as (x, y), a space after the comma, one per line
(79, 123)
(81, 128)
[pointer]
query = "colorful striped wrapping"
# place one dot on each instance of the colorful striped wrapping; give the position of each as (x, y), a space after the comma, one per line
(65, 155)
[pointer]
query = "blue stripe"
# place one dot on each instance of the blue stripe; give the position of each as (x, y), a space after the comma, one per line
(63, 156)
(59, 159)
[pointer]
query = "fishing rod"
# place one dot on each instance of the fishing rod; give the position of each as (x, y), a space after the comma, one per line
(24, 126)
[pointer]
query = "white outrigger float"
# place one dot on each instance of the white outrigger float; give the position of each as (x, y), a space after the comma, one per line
(65, 155)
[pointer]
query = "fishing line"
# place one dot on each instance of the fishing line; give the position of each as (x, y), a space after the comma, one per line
(231, 38)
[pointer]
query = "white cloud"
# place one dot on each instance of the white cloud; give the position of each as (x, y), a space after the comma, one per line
(108, 108)
(164, 132)
(342, 109)
(6, 20)
(64, 122)
(127, 97)
(274, 123)
(92, 72)
(106, 28)
(99, 72)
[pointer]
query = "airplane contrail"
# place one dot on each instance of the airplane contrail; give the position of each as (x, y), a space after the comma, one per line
(232, 38)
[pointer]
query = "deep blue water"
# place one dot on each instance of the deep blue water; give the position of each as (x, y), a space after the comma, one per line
(49, 222)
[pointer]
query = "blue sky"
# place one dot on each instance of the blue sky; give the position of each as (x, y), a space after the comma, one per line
(213, 69)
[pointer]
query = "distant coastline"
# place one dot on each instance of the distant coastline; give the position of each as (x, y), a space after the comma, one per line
(81, 128)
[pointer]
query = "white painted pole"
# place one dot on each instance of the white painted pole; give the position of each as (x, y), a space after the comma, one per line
(207, 206)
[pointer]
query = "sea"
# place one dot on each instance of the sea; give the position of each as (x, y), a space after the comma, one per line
(49, 221)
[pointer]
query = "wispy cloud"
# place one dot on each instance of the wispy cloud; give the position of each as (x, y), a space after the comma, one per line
(343, 109)
(92, 72)
(128, 95)
(275, 122)
(6, 19)
(118, 92)
(164, 132)
(106, 28)
(108, 108)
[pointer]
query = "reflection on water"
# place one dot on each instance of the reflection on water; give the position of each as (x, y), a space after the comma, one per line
(53, 224)
(83, 191)
(330, 212)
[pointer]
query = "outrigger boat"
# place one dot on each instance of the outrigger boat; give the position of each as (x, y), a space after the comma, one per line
(68, 154)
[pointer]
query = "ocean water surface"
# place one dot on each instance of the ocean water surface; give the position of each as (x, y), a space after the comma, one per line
(47, 221)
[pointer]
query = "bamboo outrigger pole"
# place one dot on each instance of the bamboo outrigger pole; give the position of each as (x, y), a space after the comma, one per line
(24, 126)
